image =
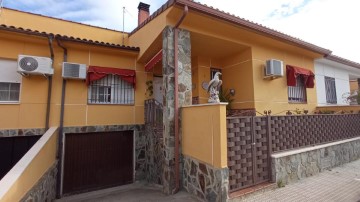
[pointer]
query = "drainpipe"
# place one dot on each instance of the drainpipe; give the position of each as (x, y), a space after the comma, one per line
(61, 127)
(177, 141)
(50, 39)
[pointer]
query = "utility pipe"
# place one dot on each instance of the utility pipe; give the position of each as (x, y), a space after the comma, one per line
(61, 127)
(50, 40)
(177, 141)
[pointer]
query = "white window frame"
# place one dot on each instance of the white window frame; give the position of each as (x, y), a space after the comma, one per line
(330, 90)
(9, 74)
(119, 91)
(298, 94)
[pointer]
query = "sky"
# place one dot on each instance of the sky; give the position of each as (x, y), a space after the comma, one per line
(331, 24)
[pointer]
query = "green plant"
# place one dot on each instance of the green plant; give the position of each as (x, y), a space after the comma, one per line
(149, 88)
(352, 97)
(326, 112)
(280, 184)
(298, 111)
(225, 96)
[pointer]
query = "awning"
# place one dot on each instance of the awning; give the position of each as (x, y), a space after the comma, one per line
(157, 58)
(293, 72)
(96, 73)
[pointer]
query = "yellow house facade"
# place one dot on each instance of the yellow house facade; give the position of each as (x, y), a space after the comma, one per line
(241, 60)
(178, 48)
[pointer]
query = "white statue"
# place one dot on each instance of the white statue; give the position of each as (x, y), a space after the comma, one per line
(213, 88)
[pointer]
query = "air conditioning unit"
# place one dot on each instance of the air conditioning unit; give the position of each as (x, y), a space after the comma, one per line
(35, 65)
(73, 71)
(274, 68)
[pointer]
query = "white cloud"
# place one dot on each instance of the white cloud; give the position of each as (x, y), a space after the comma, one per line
(331, 24)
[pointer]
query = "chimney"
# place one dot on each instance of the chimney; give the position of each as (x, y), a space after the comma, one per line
(143, 12)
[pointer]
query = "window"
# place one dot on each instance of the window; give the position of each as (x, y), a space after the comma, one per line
(213, 72)
(330, 90)
(10, 81)
(111, 90)
(297, 94)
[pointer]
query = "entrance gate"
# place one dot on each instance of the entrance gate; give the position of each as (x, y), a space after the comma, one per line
(248, 151)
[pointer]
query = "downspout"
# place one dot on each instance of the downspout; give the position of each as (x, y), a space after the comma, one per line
(61, 127)
(50, 39)
(177, 163)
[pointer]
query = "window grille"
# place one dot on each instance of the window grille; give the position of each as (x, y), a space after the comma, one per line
(213, 72)
(297, 94)
(330, 90)
(9, 91)
(111, 90)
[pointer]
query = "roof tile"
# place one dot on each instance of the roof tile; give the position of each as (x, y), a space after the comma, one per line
(65, 37)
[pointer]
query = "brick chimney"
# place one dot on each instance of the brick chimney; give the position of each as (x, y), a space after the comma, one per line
(143, 12)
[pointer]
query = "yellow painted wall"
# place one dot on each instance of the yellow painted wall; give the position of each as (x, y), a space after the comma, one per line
(52, 25)
(237, 74)
(201, 73)
(44, 159)
(33, 89)
(145, 37)
(272, 94)
(204, 133)
(30, 112)
(354, 85)
(266, 95)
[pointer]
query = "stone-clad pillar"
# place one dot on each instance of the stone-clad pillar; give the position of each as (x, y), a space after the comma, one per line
(184, 96)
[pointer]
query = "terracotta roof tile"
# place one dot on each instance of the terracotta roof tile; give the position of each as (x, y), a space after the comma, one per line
(343, 61)
(66, 38)
(64, 20)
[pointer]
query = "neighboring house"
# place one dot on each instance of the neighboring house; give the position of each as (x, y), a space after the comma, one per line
(336, 80)
(91, 113)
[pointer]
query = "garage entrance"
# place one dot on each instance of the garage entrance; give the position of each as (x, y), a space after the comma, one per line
(98, 160)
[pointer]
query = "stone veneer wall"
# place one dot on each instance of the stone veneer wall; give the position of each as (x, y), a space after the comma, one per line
(184, 96)
(45, 188)
(154, 155)
(293, 167)
(140, 142)
(204, 181)
(21, 132)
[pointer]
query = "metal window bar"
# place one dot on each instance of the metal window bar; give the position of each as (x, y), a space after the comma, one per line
(297, 93)
(330, 90)
(111, 90)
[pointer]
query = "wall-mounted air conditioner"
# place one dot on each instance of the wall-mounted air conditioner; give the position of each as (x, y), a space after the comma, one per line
(73, 71)
(35, 65)
(274, 68)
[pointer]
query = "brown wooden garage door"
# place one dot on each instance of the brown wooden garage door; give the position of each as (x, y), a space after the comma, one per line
(97, 160)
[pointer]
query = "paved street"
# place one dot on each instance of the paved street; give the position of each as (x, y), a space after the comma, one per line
(341, 184)
(137, 192)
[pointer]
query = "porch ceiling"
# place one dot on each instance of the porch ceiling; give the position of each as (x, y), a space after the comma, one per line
(204, 45)
(201, 45)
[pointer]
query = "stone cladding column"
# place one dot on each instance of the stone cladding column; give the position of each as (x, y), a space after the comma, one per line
(184, 96)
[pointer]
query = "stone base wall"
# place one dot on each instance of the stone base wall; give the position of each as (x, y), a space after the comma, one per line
(45, 188)
(140, 142)
(297, 165)
(22, 132)
(204, 181)
(154, 159)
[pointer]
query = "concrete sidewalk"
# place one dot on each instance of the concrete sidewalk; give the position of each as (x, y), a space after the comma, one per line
(338, 184)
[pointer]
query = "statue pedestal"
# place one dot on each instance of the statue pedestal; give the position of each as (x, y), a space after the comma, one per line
(214, 96)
